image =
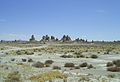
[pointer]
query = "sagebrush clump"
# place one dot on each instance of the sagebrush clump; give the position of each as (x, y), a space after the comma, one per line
(94, 56)
(49, 61)
(84, 64)
(38, 65)
(69, 65)
(113, 69)
(114, 66)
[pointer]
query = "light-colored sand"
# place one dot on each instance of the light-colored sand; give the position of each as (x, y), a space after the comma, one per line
(98, 70)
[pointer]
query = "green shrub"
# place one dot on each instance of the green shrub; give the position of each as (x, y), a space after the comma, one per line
(117, 52)
(94, 56)
(2, 48)
(107, 52)
(19, 52)
(80, 56)
(78, 53)
(24, 60)
(13, 59)
(30, 60)
(98, 52)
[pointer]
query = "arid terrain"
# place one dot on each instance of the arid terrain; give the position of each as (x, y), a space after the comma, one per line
(59, 40)
(60, 62)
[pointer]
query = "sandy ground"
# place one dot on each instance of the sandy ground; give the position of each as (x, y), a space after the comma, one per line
(99, 64)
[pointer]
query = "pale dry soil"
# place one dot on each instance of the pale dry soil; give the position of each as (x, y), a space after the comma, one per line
(96, 74)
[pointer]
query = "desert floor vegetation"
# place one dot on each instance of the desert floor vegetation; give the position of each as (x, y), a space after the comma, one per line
(59, 62)
(48, 76)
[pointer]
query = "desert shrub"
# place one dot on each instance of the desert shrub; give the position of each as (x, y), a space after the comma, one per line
(6, 53)
(80, 56)
(114, 66)
(49, 61)
(107, 52)
(13, 59)
(19, 63)
(69, 65)
(71, 50)
(30, 60)
(2, 49)
(117, 63)
(47, 65)
(48, 76)
(83, 64)
(57, 67)
(98, 52)
(109, 64)
(117, 52)
(66, 56)
(13, 77)
(78, 53)
(90, 66)
(111, 76)
(94, 56)
(24, 60)
(38, 65)
(20, 52)
(29, 53)
(86, 50)
(113, 69)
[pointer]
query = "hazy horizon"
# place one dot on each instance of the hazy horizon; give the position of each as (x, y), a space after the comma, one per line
(87, 19)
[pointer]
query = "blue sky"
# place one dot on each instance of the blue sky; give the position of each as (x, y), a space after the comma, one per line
(91, 19)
